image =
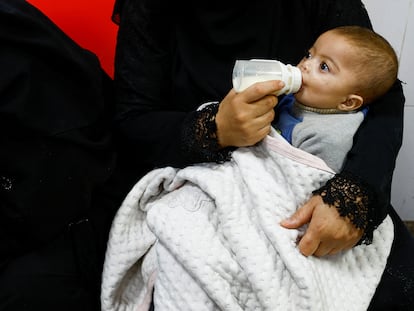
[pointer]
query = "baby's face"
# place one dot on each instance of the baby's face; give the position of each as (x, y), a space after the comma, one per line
(327, 72)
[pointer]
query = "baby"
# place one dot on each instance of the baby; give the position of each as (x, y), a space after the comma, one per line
(346, 69)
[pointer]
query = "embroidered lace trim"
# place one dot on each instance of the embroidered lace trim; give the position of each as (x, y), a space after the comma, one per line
(199, 137)
(353, 199)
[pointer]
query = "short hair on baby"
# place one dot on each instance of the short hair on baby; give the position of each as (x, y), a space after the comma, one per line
(377, 68)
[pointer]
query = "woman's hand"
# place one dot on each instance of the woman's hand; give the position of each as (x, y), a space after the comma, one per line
(328, 233)
(244, 118)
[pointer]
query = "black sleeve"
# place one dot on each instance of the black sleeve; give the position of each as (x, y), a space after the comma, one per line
(376, 146)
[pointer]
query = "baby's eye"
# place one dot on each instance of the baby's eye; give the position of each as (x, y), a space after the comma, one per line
(307, 55)
(324, 67)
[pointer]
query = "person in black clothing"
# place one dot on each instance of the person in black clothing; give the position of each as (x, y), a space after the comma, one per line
(56, 156)
(173, 57)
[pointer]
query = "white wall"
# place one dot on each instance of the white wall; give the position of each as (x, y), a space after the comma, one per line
(394, 20)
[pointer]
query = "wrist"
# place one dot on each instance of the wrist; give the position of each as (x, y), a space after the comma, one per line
(353, 199)
(199, 136)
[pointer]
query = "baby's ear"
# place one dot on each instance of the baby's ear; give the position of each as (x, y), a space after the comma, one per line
(352, 102)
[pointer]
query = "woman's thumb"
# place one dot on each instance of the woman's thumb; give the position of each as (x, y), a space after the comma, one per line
(302, 216)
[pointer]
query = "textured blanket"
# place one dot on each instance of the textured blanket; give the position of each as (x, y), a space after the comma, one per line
(207, 237)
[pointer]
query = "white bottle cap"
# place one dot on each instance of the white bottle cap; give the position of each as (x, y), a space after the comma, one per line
(296, 79)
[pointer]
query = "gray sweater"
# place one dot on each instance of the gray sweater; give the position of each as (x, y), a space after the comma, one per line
(326, 135)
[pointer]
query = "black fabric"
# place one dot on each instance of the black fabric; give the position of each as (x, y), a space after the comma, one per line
(47, 278)
(56, 163)
(200, 136)
(396, 289)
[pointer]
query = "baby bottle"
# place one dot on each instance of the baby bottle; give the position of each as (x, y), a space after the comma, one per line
(248, 72)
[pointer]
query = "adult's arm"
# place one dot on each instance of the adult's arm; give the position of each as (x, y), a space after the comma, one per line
(376, 146)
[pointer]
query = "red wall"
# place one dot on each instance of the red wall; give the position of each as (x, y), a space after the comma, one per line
(88, 22)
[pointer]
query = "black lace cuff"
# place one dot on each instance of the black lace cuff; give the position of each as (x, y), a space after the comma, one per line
(199, 137)
(353, 199)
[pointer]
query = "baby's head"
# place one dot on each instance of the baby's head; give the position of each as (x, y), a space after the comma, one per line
(376, 64)
(347, 67)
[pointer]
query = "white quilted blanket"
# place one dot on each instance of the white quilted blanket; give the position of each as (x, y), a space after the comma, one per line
(208, 238)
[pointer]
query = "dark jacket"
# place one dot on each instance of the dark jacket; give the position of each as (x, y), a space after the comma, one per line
(55, 134)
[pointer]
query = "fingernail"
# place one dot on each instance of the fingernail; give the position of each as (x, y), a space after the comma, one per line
(287, 221)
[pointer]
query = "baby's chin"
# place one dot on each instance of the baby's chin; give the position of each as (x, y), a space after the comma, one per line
(300, 97)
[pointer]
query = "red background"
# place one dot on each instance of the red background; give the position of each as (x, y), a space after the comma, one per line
(88, 22)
